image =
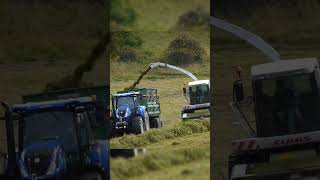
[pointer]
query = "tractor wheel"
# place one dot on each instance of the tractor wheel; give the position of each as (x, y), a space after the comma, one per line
(157, 123)
(91, 176)
(137, 125)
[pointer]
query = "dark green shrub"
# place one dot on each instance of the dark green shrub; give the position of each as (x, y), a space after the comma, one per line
(128, 54)
(124, 46)
(183, 51)
(122, 13)
(194, 17)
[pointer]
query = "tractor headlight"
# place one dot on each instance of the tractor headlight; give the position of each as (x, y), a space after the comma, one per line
(123, 112)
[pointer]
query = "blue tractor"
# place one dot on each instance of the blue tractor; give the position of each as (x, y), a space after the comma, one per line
(57, 139)
(135, 111)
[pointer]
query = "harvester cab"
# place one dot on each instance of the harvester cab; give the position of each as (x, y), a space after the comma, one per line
(197, 94)
(285, 92)
(280, 116)
(135, 111)
(285, 95)
(55, 139)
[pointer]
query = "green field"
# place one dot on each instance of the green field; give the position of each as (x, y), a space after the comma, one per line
(184, 157)
(178, 150)
(156, 15)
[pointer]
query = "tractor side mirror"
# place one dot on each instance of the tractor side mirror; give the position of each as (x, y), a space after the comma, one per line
(238, 92)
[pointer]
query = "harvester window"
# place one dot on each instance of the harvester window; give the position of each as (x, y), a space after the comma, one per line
(199, 94)
(286, 105)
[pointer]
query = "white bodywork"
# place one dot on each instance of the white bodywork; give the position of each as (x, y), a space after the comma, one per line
(251, 38)
(257, 143)
(159, 64)
(304, 65)
(192, 83)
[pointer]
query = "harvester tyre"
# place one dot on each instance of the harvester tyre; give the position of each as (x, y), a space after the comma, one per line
(137, 125)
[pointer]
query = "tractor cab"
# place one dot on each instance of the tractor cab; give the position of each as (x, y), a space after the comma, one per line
(125, 103)
(56, 137)
(124, 106)
(129, 100)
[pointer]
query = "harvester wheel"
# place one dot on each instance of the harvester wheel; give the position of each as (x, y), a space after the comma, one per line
(137, 125)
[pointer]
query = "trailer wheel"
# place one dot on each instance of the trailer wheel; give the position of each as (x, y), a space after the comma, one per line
(137, 125)
(91, 176)
(157, 122)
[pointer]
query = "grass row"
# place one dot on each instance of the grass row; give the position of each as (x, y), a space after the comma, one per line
(157, 135)
(156, 160)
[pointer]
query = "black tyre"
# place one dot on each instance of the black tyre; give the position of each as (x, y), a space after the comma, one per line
(156, 122)
(91, 176)
(137, 125)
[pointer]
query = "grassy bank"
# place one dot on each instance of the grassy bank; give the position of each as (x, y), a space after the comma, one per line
(155, 161)
(169, 159)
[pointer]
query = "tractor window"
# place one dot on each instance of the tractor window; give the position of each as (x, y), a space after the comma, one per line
(51, 125)
(128, 100)
(286, 105)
